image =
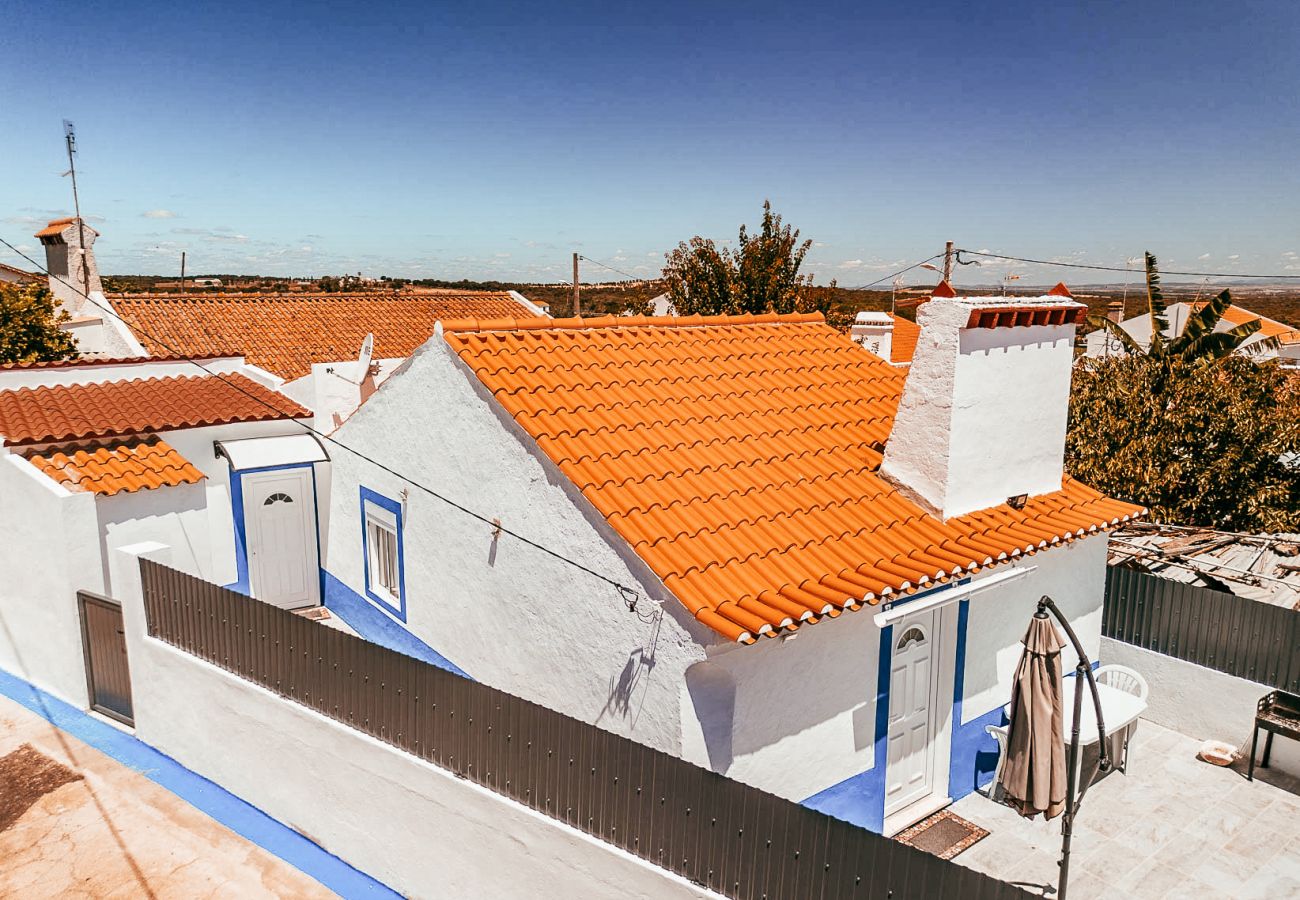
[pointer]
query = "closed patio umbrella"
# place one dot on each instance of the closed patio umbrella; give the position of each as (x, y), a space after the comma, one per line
(1034, 774)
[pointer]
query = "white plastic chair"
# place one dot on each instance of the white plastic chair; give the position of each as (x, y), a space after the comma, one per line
(1122, 678)
(999, 733)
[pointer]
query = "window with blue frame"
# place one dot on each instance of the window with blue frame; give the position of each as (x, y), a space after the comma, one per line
(381, 536)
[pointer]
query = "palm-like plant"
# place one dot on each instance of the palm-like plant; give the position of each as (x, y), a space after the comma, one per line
(1199, 342)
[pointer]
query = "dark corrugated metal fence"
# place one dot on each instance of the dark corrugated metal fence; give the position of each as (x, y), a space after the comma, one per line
(732, 838)
(1232, 634)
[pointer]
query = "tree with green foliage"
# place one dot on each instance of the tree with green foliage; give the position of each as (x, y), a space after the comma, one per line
(29, 326)
(760, 275)
(1198, 440)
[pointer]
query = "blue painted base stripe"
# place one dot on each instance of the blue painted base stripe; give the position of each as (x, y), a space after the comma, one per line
(239, 816)
(378, 628)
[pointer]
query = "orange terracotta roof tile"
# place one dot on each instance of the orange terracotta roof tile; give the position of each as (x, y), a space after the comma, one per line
(903, 344)
(107, 409)
(1235, 315)
(117, 467)
(286, 334)
(738, 457)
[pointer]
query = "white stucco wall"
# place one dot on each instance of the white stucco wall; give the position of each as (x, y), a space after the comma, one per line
(333, 391)
(1201, 703)
(805, 707)
(416, 827)
(1074, 576)
(983, 412)
(48, 551)
(506, 613)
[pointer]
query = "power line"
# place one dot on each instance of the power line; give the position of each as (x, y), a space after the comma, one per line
(612, 269)
(1045, 262)
(863, 287)
(630, 595)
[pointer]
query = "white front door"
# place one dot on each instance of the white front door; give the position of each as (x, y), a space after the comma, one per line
(280, 524)
(910, 769)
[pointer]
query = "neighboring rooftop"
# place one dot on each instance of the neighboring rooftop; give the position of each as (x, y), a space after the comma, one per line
(118, 466)
(112, 409)
(286, 333)
(1269, 328)
(13, 273)
(903, 345)
(738, 456)
(1263, 567)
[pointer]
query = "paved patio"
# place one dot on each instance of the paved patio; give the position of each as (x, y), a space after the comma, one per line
(111, 832)
(1172, 827)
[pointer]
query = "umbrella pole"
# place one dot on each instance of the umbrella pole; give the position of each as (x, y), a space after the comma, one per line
(1067, 821)
(1082, 670)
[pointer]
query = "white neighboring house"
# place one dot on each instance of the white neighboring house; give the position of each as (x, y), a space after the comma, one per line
(757, 576)
(1102, 343)
(889, 336)
(13, 275)
(100, 454)
(74, 281)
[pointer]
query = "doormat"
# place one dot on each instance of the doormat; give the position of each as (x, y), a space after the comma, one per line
(27, 775)
(944, 834)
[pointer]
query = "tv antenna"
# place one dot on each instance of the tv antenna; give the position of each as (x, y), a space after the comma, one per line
(70, 137)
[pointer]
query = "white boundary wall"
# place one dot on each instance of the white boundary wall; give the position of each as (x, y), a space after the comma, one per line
(1201, 703)
(413, 826)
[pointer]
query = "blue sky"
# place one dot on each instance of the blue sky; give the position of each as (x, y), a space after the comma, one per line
(492, 140)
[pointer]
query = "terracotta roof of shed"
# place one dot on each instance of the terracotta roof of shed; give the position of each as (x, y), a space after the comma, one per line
(107, 409)
(117, 467)
(738, 457)
(285, 334)
(903, 343)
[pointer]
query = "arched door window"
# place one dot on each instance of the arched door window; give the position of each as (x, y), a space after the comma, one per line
(913, 635)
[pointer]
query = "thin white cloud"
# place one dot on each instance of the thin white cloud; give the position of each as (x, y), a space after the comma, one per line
(1204, 256)
(850, 264)
(158, 214)
(1235, 256)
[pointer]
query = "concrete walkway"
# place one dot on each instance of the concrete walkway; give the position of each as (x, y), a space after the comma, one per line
(114, 833)
(1172, 827)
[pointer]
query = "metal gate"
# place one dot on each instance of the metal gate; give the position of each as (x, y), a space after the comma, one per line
(108, 677)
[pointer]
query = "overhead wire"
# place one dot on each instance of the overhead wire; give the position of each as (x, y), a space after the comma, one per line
(917, 265)
(612, 269)
(1067, 265)
(631, 596)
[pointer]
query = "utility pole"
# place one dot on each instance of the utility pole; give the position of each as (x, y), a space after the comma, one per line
(577, 309)
(182, 274)
(70, 138)
(947, 262)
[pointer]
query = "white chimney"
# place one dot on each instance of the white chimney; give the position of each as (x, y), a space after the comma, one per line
(72, 267)
(875, 331)
(983, 414)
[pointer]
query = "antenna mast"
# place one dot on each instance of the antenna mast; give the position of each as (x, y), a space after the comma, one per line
(70, 138)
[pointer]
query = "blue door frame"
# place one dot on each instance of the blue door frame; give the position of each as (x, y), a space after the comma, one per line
(240, 583)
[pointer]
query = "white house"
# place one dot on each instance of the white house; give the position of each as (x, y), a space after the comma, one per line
(753, 544)
(100, 454)
(887, 335)
(1286, 338)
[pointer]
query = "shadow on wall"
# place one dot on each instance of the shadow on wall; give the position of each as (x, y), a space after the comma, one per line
(713, 694)
(623, 687)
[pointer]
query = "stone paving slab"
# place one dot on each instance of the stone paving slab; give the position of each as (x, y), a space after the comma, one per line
(115, 833)
(1172, 826)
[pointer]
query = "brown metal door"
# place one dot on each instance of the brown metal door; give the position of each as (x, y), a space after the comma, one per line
(107, 673)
